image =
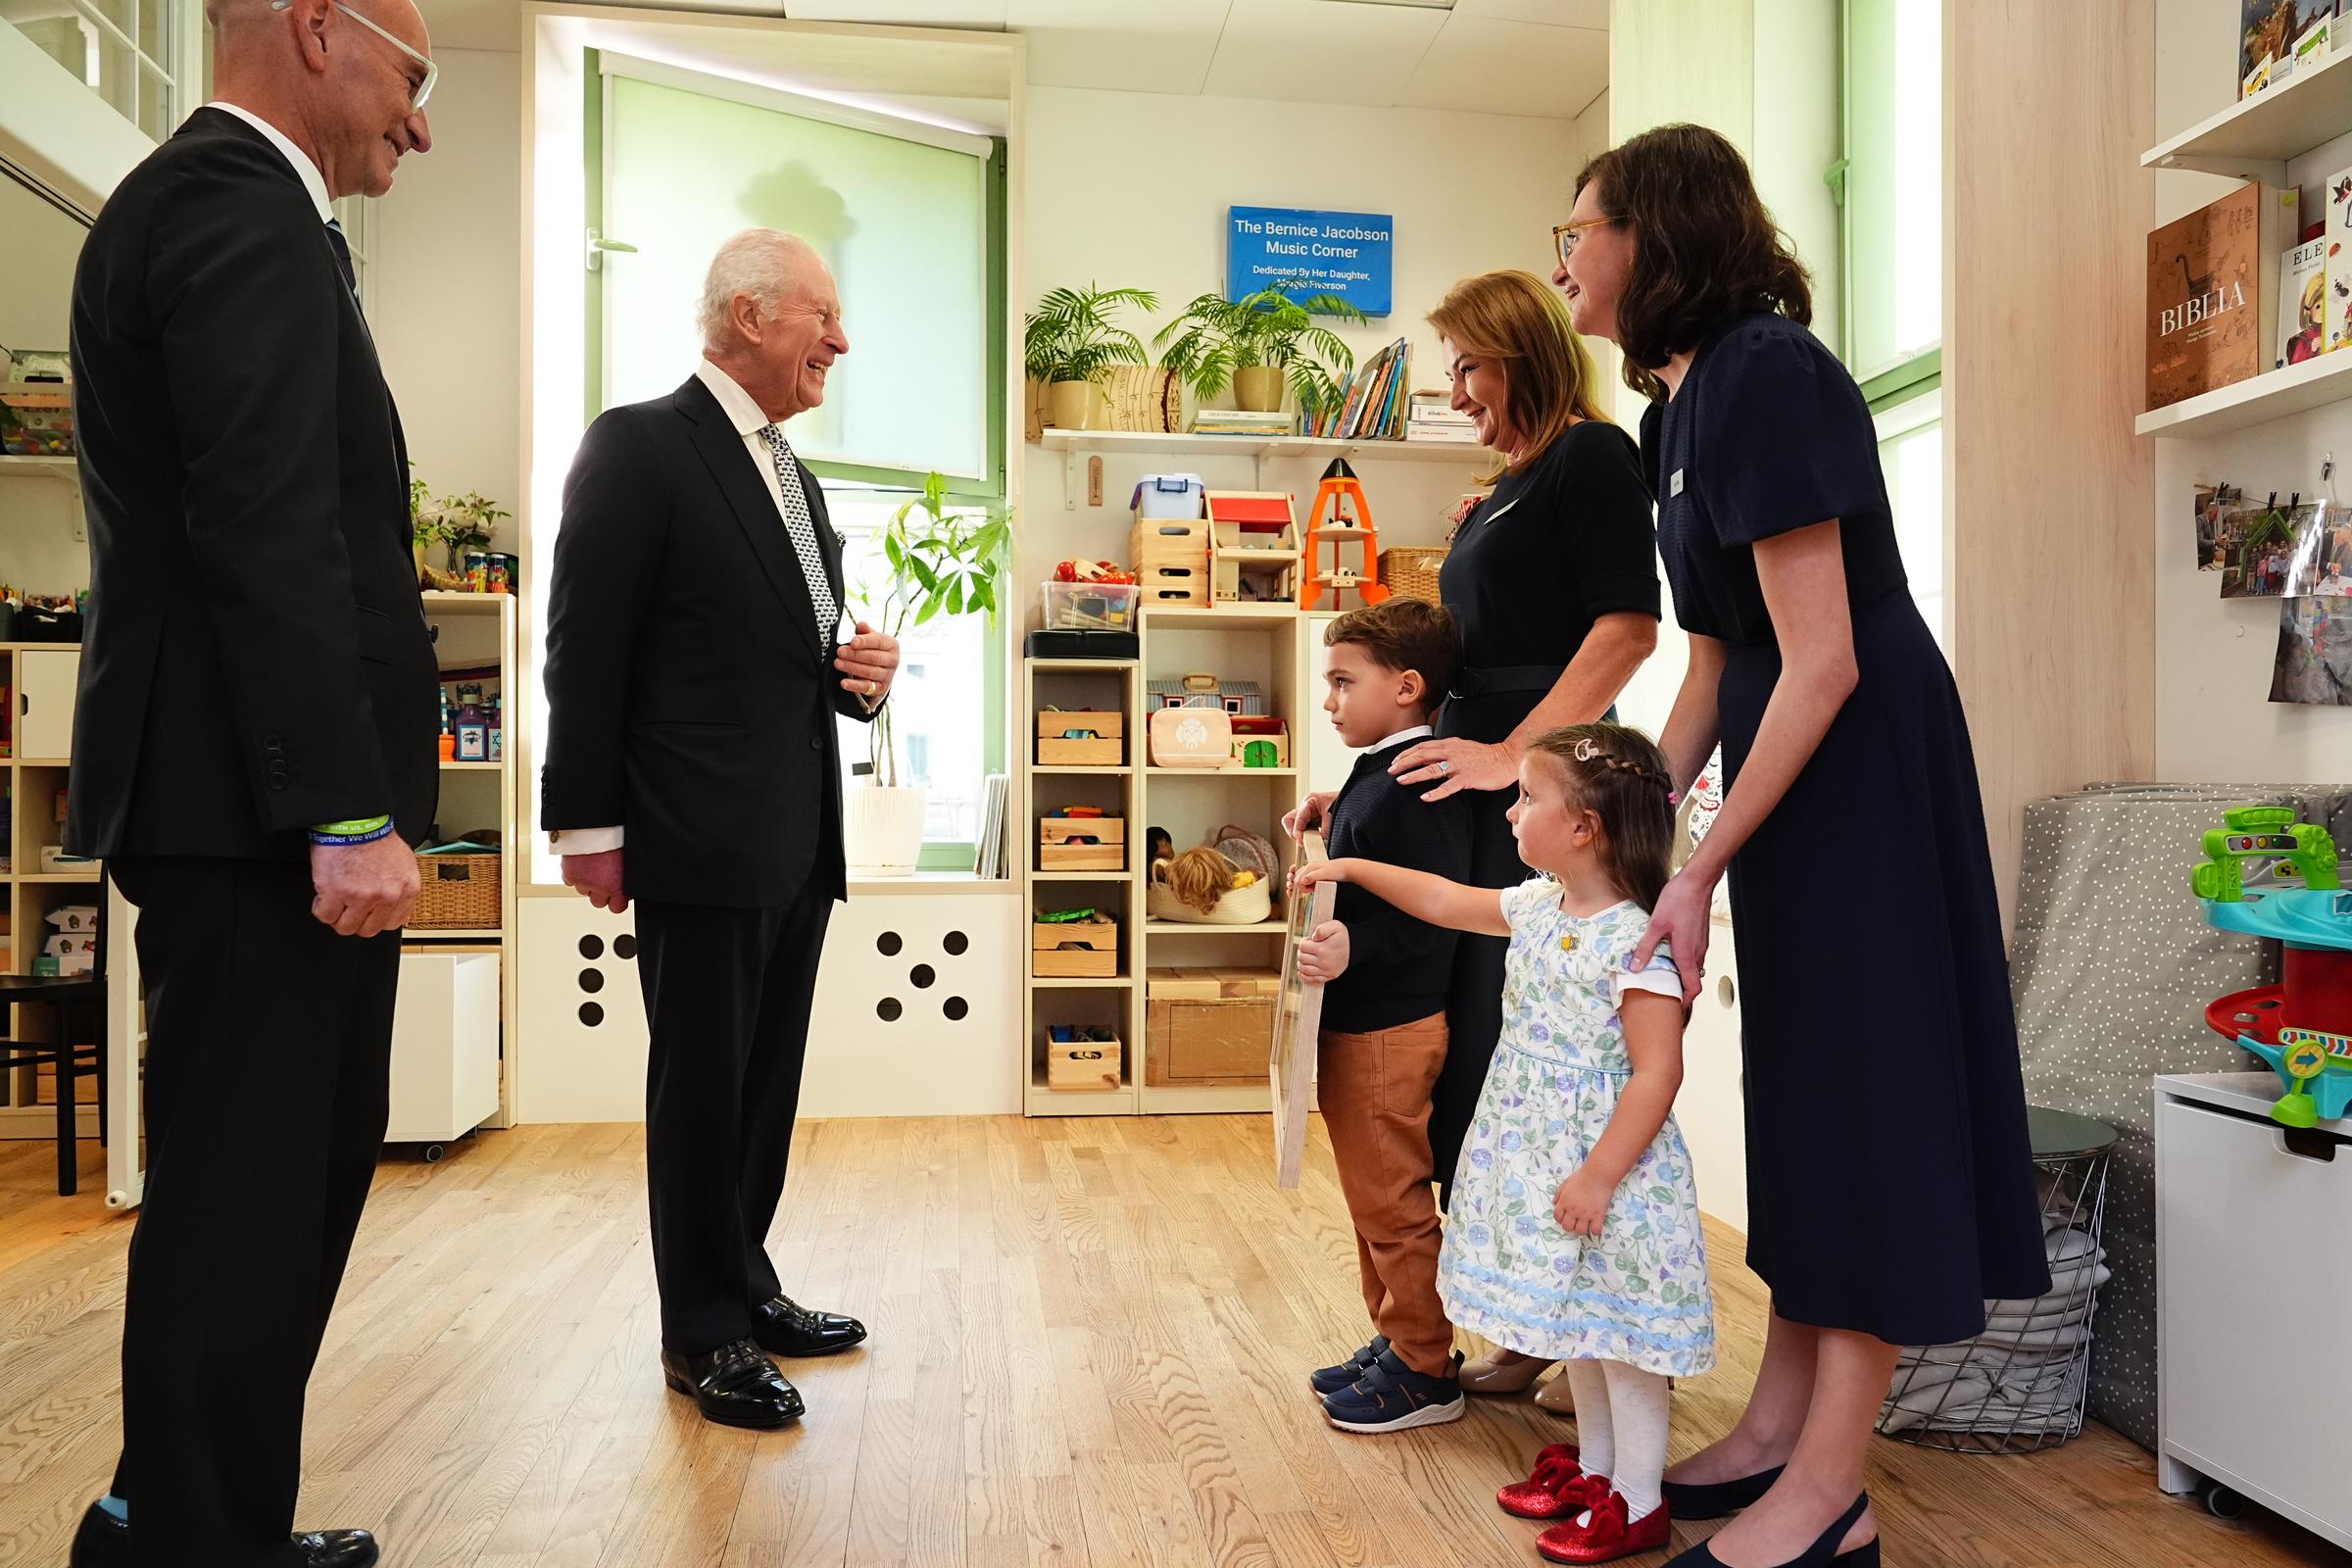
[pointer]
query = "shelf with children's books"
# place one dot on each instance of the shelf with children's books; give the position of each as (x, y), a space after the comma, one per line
(2254, 137)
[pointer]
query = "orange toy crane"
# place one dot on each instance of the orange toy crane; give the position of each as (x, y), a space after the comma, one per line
(1350, 523)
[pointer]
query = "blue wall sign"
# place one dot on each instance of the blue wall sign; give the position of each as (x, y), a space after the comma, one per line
(1347, 253)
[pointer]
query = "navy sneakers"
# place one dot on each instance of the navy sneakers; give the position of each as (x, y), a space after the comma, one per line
(1391, 1396)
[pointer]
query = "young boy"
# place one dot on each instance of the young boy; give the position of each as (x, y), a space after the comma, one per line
(1383, 1039)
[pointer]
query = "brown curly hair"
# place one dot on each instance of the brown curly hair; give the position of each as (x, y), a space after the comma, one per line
(1618, 774)
(1705, 246)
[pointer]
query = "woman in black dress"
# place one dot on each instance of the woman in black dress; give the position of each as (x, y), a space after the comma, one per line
(1554, 582)
(1891, 1188)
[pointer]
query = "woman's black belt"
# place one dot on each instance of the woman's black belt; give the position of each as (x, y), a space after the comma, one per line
(1504, 678)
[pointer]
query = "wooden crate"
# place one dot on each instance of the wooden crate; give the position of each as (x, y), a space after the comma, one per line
(1168, 539)
(1081, 754)
(1058, 850)
(1074, 950)
(1082, 1067)
(1065, 724)
(1171, 586)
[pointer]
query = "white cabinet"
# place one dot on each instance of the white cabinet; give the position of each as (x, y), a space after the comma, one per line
(444, 1047)
(45, 703)
(2253, 1390)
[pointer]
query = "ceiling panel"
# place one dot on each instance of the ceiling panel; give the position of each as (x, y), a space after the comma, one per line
(1511, 68)
(987, 15)
(1553, 13)
(1122, 45)
(1311, 51)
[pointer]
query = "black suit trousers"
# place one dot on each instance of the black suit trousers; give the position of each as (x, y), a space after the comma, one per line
(269, 1059)
(727, 993)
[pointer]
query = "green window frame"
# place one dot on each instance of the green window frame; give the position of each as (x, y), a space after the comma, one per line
(1863, 181)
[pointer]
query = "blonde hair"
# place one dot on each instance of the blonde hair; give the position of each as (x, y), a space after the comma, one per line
(1198, 878)
(1520, 322)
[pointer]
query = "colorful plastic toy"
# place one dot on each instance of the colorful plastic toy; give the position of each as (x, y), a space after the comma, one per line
(2268, 876)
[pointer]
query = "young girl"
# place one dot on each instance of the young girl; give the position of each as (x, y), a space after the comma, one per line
(1574, 1232)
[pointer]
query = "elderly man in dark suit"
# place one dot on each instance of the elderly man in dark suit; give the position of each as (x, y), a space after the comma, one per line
(696, 658)
(253, 747)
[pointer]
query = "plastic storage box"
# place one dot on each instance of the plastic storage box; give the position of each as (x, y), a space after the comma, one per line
(1091, 606)
(1169, 495)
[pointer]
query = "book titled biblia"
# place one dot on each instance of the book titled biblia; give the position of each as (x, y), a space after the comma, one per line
(2213, 292)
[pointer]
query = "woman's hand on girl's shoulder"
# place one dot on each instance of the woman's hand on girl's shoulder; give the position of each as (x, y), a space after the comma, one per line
(1682, 924)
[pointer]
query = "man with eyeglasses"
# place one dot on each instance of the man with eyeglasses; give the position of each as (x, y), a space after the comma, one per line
(253, 747)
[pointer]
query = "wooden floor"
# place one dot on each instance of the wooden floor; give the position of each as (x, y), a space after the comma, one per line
(1089, 1346)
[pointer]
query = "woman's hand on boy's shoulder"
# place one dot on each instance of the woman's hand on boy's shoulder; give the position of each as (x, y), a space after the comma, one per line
(1323, 956)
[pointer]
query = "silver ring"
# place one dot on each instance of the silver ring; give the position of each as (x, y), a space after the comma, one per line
(1444, 764)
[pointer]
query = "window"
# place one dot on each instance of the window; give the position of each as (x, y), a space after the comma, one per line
(908, 216)
(1889, 184)
(128, 52)
(947, 704)
(1911, 454)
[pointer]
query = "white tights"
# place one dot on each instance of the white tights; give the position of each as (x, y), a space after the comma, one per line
(1621, 1429)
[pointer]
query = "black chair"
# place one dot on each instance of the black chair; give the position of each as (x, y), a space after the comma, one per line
(76, 997)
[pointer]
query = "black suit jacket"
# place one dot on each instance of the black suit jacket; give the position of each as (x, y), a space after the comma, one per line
(256, 658)
(690, 690)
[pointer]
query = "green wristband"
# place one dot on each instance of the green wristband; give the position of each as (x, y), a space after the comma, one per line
(357, 824)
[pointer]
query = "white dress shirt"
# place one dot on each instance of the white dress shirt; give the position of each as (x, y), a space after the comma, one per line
(312, 180)
(749, 419)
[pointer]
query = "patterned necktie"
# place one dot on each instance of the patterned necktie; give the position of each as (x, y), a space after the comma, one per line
(342, 249)
(803, 528)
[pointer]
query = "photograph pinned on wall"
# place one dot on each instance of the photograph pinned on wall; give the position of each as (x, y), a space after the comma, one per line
(2271, 551)
(2313, 663)
(2321, 565)
(2213, 502)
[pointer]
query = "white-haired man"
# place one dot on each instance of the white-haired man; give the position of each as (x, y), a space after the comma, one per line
(253, 749)
(696, 657)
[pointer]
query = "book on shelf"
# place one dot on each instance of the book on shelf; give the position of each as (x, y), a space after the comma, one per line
(2302, 303)
(988, 857)
(2279, 40)
(1241, 421)
(2213, 292)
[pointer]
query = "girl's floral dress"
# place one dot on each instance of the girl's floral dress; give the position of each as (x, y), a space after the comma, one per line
(1637, 1292)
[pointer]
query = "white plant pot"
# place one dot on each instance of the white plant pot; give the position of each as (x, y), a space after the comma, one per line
(882, 829)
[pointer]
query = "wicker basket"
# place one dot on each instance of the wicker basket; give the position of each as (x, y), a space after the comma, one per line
(1411, 571)
(456, 893)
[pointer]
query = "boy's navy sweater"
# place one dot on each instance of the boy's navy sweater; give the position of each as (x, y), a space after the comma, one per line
(1398, 968)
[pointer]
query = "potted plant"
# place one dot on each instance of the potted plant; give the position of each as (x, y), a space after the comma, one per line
(933, 562)
(1068, 342)
(424, 521)
(468, 522)
(1258, 342)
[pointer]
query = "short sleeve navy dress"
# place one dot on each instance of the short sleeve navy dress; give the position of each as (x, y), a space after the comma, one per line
(1890, 1183)
(1562, 542)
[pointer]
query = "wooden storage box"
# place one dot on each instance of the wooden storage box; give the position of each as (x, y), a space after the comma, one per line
(1081, 738)
(1080, 1066)
(1169, 586)
(1082, 844)
(1171, 561)
(1074, 950)
(1209, 1028)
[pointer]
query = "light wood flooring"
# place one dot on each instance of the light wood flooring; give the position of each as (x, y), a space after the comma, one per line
(1089, 1345)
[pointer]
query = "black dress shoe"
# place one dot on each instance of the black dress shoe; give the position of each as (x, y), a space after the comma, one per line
(735, 1386)
(784, 1327)
(104, 1542)
(1715, 1500)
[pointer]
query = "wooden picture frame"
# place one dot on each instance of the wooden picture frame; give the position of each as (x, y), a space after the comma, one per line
(1297, 1020)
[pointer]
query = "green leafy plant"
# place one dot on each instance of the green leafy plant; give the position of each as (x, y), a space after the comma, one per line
(1069, 336)
(1270, 330)
(464, 522)
(934, 563)
(424, 519)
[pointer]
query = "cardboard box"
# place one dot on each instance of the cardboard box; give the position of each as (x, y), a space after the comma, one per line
(1076, 1066)
(1209, 1028)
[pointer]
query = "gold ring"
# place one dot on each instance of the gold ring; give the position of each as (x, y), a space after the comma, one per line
(870, 686)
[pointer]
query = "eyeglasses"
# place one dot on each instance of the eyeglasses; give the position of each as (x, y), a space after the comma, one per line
(419, 91)
(1564, 236)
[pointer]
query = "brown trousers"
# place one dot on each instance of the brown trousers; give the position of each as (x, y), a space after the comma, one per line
(1374, 1092)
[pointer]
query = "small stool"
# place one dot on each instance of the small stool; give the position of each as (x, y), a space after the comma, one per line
(1995, 1394)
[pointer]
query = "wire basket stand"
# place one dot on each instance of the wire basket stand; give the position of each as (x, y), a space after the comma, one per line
(2024, 1383)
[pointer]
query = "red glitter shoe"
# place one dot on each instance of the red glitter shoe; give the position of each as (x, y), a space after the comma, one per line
(1546, 1493)
(1606, 1536)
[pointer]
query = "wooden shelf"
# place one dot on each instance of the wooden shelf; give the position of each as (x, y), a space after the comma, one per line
(1080, 876)
(488, 934)
(1187, 928)
(443, 599)
(1241, 617)
(473, 767)
(2254, 137)
(56, 878)
(2257, 400)
(1180, 444)
(1221, 772)
(29, 462)
(1068, 983)
(1123, 769)
(1105, 667)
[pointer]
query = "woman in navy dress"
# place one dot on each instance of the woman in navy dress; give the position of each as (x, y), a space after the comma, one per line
(1890, 1186)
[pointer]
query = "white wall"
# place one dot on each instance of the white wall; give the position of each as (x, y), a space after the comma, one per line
(2213, 657)
(42, 550)
(1114, 198)
(445, 284)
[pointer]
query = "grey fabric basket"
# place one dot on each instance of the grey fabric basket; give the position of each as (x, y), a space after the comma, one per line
(2112, 967)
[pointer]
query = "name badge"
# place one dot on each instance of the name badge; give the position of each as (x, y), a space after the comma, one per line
(1674, 485)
